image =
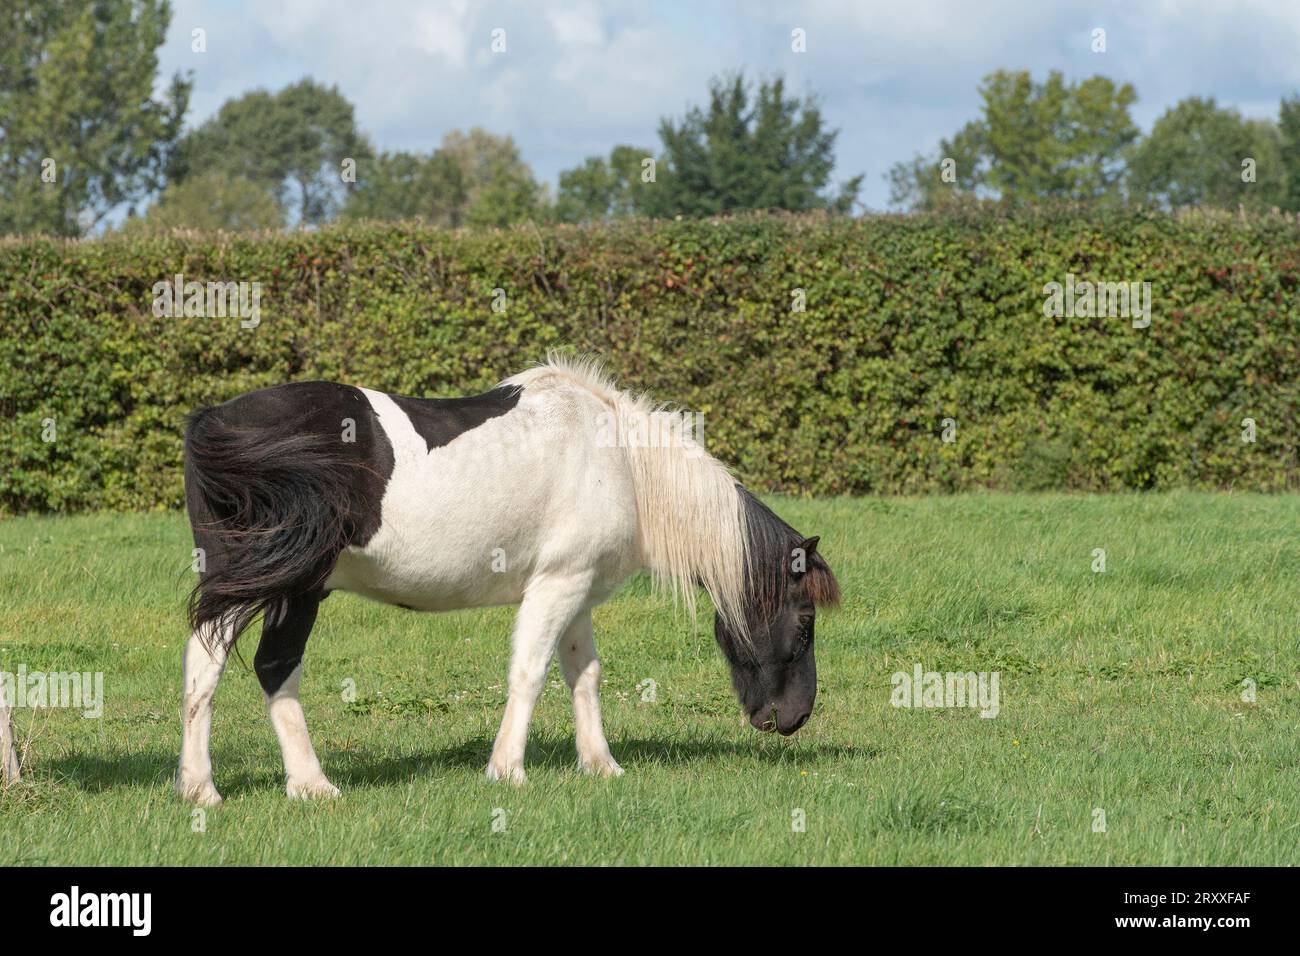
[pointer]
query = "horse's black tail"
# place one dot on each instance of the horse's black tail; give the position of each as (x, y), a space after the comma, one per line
(270, 506)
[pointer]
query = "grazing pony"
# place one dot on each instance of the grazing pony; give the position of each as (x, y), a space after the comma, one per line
(547, 491)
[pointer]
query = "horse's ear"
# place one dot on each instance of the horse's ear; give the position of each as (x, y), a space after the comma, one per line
(802, 557)
(819, 581)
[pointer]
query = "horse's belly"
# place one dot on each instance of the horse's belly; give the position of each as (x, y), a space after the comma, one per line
(442, 553)
(422, 585)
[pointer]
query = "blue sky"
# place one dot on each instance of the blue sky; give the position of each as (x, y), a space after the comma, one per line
(578, 77)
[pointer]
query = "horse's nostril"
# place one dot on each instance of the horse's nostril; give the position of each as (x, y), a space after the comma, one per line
(787, 731)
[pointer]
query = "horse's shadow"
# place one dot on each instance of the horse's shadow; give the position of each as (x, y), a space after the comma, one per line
(559, 754)
(352, 768)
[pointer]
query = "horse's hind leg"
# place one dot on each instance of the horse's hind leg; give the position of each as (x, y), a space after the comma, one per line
(278, 664)
(582, 673)
(202, 673)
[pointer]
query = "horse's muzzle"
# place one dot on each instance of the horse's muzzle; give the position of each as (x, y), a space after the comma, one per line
(771, 720)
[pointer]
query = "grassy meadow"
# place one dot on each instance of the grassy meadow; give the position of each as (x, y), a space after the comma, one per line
(1121, 692)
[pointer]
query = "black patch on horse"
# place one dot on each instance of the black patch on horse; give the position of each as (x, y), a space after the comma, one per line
(440, 420)
(285, 630)
(277, 483)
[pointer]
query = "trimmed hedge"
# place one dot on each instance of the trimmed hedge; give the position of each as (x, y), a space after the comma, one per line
(908, 321)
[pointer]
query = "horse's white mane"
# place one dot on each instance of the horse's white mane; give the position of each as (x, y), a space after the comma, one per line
(690, 513)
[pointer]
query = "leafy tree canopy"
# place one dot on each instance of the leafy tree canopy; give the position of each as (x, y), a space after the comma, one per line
(473, 178)
(1288, 124)
(1195, 155)
(605, 188)
(210, 200)
(292, 143)
(750, 149)
(80, 130)
(1033, 141)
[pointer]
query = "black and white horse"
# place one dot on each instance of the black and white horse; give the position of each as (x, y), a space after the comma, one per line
(547, 491)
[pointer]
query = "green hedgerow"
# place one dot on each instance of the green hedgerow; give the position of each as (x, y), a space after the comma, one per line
(823, 353)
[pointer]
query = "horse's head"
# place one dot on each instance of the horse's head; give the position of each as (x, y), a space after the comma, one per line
(775, 671)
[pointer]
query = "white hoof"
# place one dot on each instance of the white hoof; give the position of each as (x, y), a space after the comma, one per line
(603, 765)
(514, 773)
(318, 789)
(201, 792)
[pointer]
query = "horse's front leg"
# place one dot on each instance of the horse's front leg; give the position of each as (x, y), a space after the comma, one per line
(582, 674)
(548, 607)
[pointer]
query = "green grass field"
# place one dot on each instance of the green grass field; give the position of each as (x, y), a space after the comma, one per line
(1120, 691)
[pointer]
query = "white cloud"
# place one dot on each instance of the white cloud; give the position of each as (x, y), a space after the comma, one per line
(578, 25)
(442, 33)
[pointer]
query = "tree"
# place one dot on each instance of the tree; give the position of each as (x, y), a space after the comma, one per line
(954, 178)
(403, 185)
(292, 143)
(604, 188)
(474, 179)
(80, 130)
(211, 200)
(1197, 153)
(1034, 141)
(1289, 133)
(499, 186)
(747, 151)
